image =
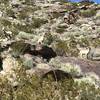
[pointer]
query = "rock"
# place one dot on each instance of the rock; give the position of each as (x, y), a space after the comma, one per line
(38, 60)
(43, 66)
(82, 21)
(94, 54)
(84, 66)
(24, 35)
(31, 71)
(20, 48)
(9, 63)
(97, 22)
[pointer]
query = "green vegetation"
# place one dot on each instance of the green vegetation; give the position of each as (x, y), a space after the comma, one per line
(30, 87)
(66, 48)
(88, 13)
(48, 39)
(27, 21)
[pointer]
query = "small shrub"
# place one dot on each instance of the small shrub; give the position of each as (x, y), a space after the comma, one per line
(61, 48)
(84, 41)
(60, 30)
(88, 13)
(66, 48)
(48, 39)
(5, 22)
(37, 22)
(31, 86)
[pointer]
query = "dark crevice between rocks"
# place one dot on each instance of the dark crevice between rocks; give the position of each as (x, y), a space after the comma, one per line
(1, 64)
(59, 75)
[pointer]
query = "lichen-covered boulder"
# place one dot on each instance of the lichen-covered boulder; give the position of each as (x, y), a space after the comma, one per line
(94, 54)
(9, 64)
(76, 66)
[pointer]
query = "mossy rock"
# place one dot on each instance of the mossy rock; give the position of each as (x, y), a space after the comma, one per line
(19, 47)
(37, 22)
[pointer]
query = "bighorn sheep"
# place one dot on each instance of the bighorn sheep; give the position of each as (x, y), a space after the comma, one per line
(90, 53)
(43, 51)
(83, 51)
(1, 68)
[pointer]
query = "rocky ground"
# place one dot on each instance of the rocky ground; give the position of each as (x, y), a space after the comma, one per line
(60, 39)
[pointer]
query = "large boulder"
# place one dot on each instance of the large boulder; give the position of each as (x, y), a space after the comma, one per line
(76, 66)
(9, 63)
(94, 54)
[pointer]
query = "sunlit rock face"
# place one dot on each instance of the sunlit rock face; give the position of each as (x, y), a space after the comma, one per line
(78, 66)
(94, 54)
(9, 63)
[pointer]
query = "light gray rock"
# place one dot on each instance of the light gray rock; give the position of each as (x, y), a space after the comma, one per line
(9, 63)
(94, 54)
(80, 66)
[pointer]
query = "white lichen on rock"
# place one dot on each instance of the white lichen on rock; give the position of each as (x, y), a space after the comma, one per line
(9, 63)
